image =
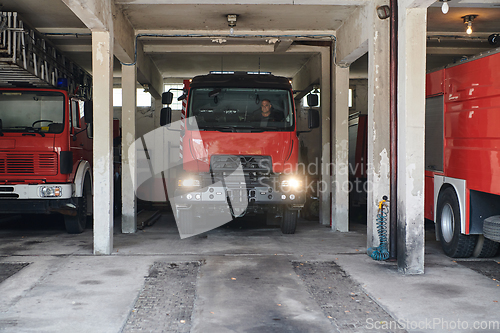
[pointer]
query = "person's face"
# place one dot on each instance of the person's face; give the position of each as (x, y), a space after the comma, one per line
(265, 106)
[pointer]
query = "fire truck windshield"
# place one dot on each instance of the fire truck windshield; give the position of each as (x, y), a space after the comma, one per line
(240, 109)
(40, 111)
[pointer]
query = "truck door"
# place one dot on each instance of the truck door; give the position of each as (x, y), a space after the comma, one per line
(81, 144)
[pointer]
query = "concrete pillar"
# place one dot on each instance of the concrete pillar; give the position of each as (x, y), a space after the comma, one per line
(411, 129)
(378, 177)
(340, 149)
(326, 107)
(129, 160)
(102, 72)
(157, 107)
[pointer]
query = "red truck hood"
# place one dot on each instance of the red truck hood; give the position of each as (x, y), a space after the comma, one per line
(198, 147)
(27, 156)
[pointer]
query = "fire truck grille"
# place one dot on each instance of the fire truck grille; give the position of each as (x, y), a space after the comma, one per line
(28, 163)
(254, 163)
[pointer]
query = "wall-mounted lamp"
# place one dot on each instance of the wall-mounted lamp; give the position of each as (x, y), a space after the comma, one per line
(445, 7)
(383, 12)
(231, 22)
(468, 20)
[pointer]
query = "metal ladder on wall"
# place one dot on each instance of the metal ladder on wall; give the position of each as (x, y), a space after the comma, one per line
(28, 59)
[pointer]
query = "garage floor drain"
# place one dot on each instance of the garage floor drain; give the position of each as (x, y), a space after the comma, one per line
(166, 302)
(9, 269)
(343, 301)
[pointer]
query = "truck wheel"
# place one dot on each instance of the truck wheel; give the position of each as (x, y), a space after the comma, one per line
(485, 248)
(491, 228)
(185, 220)
(454, 243)
(90, 205)
(289, 222)
(76, 224)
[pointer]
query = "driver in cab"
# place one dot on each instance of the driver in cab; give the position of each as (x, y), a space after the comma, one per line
(267, 113)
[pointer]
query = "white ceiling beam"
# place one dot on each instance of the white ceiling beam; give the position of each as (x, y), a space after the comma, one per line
(148, 73)
(62, 30)
(237, 33)
(75, 48)
(352, 36)
(457, 51)
(153, 48)
(415, 3)
(219, 48)
(244, 2)
(95, 14)
(460, 36)
(282, 45)
(308, 74)
(103, 15)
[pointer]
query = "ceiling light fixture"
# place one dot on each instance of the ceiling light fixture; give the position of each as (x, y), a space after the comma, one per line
(231, 22)
(445, 7)
(468, 20)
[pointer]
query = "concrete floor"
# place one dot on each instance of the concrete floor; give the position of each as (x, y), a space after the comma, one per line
(67, 289)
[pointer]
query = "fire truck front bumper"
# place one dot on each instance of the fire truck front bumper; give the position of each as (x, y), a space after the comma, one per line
(37, 199)
(239, 196)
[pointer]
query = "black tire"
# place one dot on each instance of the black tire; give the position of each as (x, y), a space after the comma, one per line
(90, 204)
(289, 222)
(454, 243)
(76, 224)
(485, 248)
(185, 221)
(491, 228)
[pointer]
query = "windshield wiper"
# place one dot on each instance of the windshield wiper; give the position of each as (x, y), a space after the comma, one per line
(28, 129)
(35, 130)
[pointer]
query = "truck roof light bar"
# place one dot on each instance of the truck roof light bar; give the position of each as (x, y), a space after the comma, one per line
(232, 72)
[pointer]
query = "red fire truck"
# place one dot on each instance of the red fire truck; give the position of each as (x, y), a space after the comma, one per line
(462, 155)
(45, 128)
(45, 154)
(221, 130)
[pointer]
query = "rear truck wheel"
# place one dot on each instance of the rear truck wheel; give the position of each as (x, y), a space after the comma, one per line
(90, 203)
(185, 220)
(454, 243)
(289, 222)
(491, 228)
(76, 224)
(485, 248)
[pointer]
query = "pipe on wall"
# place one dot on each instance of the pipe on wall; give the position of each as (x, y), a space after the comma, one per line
(393, 215)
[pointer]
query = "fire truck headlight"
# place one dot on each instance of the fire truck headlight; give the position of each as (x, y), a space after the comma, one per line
(50, 191)
(189, 182)
(291, 183)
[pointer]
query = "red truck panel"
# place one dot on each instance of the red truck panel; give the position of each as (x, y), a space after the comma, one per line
(202, 145)
(434, 83)
(429, 195)
(472, 116)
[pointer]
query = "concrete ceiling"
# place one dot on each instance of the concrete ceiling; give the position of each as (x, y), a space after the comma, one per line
(252, 44)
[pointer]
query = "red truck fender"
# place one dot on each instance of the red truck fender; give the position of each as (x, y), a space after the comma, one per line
(82, 169)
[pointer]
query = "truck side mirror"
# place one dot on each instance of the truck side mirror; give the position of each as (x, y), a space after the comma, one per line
(167, 97)
(165, 116)
(88, 109)
(312, 100)
(313, 118)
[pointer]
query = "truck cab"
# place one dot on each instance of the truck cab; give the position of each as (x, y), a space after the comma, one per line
(235, 160)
